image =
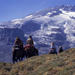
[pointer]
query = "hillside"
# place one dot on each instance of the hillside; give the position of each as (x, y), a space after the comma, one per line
(61, 64)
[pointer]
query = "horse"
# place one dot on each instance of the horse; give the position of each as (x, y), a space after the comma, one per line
(18, 54)
(30, 51)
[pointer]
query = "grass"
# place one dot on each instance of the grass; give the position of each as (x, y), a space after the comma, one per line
(61, 64)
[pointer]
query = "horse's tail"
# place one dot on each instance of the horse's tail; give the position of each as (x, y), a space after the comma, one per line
(36, 51)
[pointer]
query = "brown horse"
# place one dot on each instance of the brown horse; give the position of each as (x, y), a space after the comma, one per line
(30, 51)
(18, 54)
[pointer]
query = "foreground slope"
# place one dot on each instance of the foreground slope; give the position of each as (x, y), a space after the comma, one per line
(61, 64)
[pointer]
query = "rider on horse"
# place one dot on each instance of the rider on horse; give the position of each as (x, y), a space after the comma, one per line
(18, 50)
(29, 48)
(30, 42)
(18, 45)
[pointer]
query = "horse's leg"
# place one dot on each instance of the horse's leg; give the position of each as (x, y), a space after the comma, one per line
(22, 55)
(27, 54)
(30, 53)
(37, 52)
(20, 59)
(14, 59)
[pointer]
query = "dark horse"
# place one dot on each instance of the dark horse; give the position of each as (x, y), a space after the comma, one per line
(18, 54)
(30, 51)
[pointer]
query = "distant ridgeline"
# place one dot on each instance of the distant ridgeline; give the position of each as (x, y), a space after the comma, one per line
(8, 35)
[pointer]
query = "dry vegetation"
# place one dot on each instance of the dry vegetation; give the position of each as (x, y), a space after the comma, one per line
(61, 64)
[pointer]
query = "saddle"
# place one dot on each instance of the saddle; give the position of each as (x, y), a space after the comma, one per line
(16, 47)
(28, 46)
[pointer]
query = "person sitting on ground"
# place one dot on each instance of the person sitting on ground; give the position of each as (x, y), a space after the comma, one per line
(60, 49)
(53, 49)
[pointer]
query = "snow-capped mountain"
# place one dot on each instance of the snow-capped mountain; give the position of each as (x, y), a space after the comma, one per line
(52, 24)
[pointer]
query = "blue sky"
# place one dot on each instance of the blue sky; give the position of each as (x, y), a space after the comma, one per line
(12, 9)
